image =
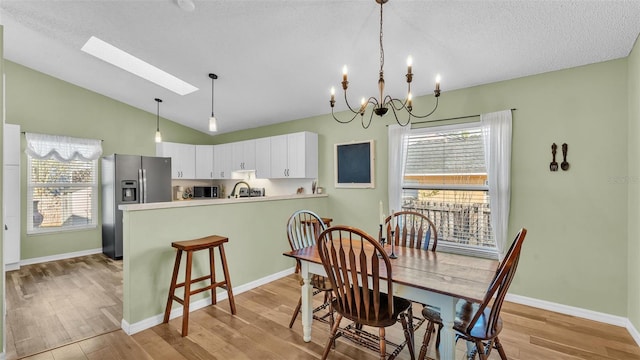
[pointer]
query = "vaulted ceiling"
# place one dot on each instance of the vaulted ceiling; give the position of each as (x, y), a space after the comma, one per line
(277, 59)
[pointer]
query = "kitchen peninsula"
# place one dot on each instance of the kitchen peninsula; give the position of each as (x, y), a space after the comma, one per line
(257, 236)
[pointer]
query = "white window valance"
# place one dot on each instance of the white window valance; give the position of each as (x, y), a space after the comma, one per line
(62, 148)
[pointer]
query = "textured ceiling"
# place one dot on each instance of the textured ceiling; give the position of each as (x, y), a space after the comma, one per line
(277, 59)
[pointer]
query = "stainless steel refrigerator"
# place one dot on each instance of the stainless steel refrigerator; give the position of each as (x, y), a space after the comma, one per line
(129, 179)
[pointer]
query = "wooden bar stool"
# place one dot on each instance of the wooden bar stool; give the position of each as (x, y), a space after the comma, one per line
(190, 246)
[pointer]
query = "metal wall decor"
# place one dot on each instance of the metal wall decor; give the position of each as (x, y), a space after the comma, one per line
(564, 165)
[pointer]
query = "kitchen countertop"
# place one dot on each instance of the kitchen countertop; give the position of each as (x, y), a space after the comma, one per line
(198, 202)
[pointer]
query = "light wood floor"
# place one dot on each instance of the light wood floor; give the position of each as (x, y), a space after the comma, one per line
(260, 331)
(60, 302)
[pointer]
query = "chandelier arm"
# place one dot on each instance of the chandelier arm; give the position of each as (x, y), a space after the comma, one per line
(395, 115)
(343, 121)
(349, 106)
(424, 116)
(391, 101)
(369, 123)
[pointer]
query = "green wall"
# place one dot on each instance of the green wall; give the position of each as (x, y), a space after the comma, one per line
(43, 104)
(257, 239)
(633, 310)
(1, 183)
(576, 248)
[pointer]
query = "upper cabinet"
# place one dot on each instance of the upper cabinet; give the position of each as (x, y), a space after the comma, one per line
(204, 162)
(222, 161)
(183, 159)
(243, 154)
(294, 155)
(263, 158)
(276, 157)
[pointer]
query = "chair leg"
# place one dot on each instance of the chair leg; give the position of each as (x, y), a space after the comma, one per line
(383, 344)
(172, 288)
(438, 336)
(425, 342)
(500, 349)
(480, 347)
(332, 337)
(408, 332)
(295, 313)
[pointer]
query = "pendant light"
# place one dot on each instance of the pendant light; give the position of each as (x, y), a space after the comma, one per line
(158, 135)
(213, 123)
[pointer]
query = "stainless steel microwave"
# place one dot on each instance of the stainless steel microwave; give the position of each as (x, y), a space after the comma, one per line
(206, 192)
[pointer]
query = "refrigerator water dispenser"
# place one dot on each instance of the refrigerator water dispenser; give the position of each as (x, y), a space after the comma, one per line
(129, 191)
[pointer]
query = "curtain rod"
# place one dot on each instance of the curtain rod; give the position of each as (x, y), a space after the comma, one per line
(451, 118)
(24, 132)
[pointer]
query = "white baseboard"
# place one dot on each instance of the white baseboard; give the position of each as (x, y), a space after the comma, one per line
(60, 256)
(578, 312)
(569, 310)
(152, 321)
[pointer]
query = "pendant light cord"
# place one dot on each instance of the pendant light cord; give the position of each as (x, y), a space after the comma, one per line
(158, 114)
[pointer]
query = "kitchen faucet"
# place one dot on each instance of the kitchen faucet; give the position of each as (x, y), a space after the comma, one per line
(233, 192)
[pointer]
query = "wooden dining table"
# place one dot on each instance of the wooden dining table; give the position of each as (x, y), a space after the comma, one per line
(439, 279)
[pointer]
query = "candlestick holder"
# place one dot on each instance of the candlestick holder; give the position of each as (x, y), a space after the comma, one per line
(393, 254)
(381, 239)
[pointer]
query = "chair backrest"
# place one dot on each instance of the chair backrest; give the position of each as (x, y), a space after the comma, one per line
(412, 229)
(354, 263)
(499, 286)
(303, 229)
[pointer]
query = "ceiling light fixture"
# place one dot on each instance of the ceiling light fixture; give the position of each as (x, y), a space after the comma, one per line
(186, 5)
(213, 123)
(381, 106)
(122, 59)
(158, 135)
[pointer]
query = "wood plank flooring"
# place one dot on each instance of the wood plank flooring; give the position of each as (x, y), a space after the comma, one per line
(60, 302)
(260, 331)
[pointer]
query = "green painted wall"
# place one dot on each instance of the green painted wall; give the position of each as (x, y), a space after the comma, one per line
(257, 239)
(43, 104)
(633, 309)
(1, 185)
(576, 248)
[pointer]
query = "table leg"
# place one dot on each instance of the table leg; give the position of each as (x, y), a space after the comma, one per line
(447, 307)
(307, 306)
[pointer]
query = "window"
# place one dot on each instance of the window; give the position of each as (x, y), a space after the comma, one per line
(445, 177)
(62, 184)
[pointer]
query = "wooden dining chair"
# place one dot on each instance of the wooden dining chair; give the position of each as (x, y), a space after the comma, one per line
(355, 264)
(481, 323)
(415, 230)
(303, 229)
(412, 229)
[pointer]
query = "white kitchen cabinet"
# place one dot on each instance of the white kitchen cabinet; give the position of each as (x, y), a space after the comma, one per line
(294, 155)
(204, 162)
(11, 196)
(183, 159)
(243, 155)
(263, 158)
(222, 161)
(11, 144)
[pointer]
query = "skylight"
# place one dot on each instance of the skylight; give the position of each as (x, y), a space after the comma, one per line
(114, 56)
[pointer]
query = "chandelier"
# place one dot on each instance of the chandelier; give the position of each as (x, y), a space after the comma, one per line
(382, 105)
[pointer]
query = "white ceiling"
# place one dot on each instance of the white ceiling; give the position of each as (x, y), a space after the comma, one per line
(277, 59)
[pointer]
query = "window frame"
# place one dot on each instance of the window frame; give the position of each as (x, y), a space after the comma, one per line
(444, 244)
(94, 194)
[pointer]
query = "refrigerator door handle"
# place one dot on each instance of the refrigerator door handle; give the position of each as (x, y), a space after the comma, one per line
(140, 187)
(144, 185)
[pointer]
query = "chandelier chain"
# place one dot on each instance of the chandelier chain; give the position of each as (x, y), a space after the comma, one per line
(381, 47)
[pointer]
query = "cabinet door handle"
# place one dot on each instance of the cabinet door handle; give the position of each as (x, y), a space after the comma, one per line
(5, 227)
(211, 174)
